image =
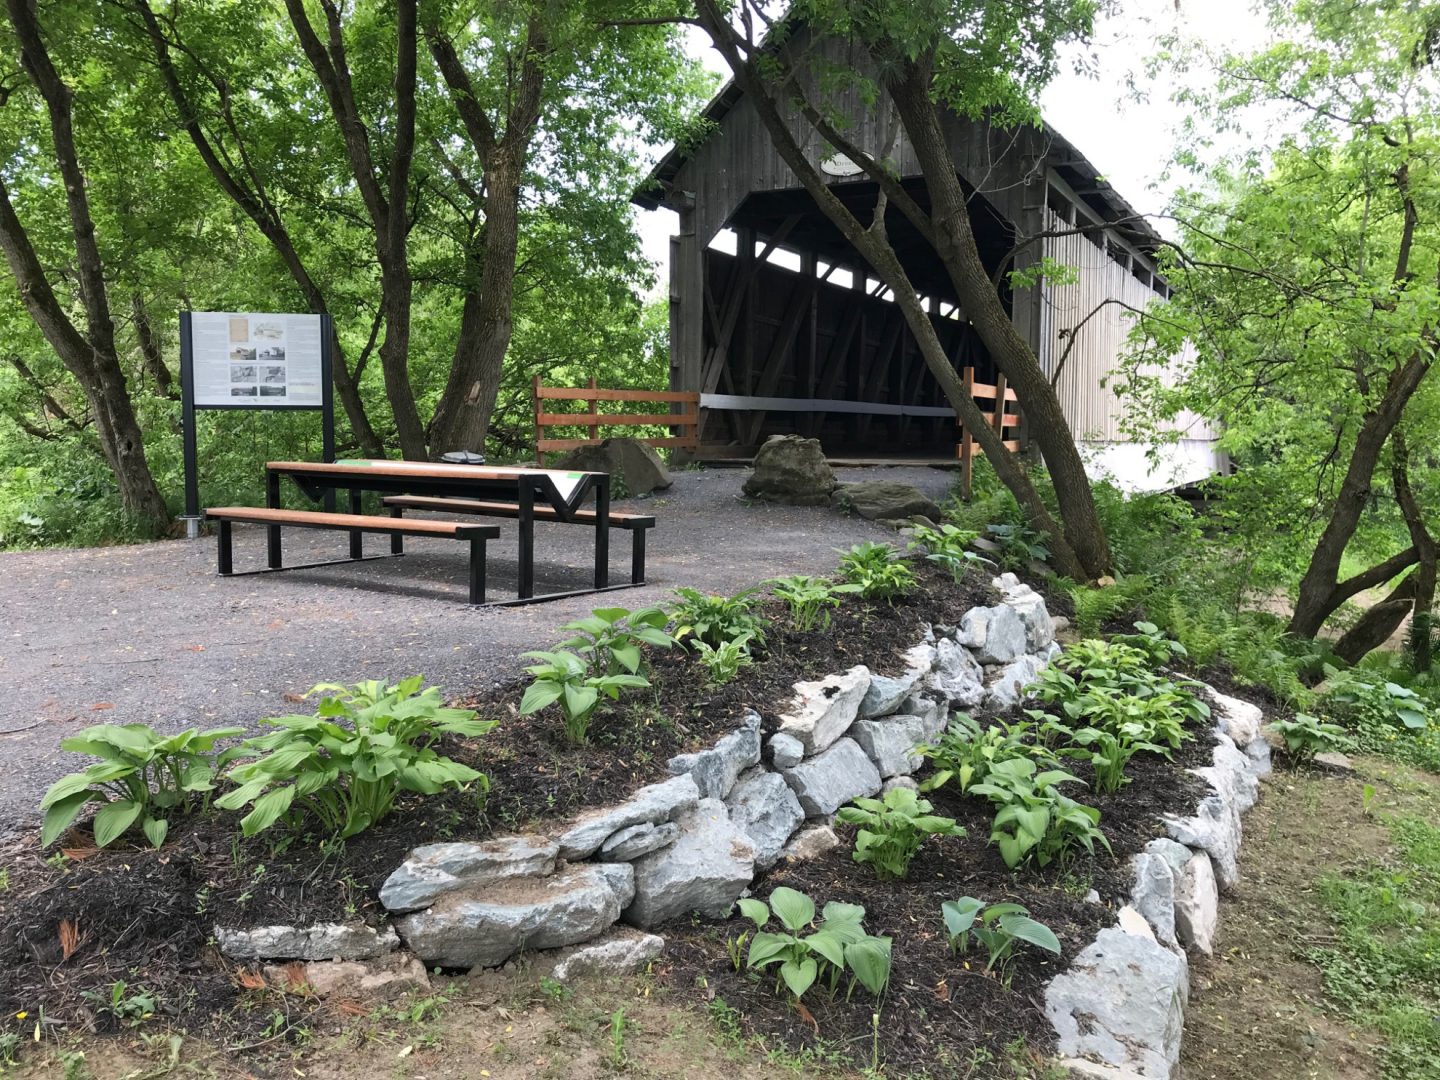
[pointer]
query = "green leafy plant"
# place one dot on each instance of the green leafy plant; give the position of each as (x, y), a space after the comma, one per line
(717, 619)
(610, 639)
(1019, 543)
(892, 829)
(949, 547)
(1108, 754)
(121, 1004)
(876, 571)
(1157, 647)
(722, 664)
(564, 678)
(142, 776)
(967, 751)
(1376, 703)
(1306, 735)
(347, 763)
(811, 599)
(1034, 820)
(1000, 928)
(838, 944)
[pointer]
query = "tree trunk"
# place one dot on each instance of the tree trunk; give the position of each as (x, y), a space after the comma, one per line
(955, 244)
(1421, 636)
(150, 349)
(1374, 627)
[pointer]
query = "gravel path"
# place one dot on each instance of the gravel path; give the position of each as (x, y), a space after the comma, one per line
(149, 633)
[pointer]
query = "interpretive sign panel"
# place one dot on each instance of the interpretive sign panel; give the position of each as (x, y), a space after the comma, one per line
(261, 361)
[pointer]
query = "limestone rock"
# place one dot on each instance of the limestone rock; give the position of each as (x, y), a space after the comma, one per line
(883, 500)
(786, 751)
(655, 803)
(1216, 826)
(432, 870)
(1239, 719)
(891, 743)
(1132, 922)
(1153, 895)
(324, 941)
(831, 779)
(811, 843)
(764, 808)
(1122, 1003)
(958, 677)
(1257, 753)
(1175, 855)
(1030, 606)
(1335, 761)
(888, 691)
(705, 870)
(631, 462)
(391, 977)
(894, 782)
(994, 634)
(790, 469)
(823, 710)
(1007, 687)
(715, 769)
(484, 927)
(933, 712)
(635, 840)
(621, 950)
(1197, 905)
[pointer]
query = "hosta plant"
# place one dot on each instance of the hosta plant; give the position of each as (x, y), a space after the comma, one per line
(949, 547)
(811, 599)
(1107, 753)
(1000, 928)
(1156, 646)
(876, 571)
(142, 777)
(717, 619)
(892, 829)
(965, 753)
(723, 663)
(1035, 821)
(564, 678)
(836, 945)
(1305, 736)
(346, 764)
(610, 639)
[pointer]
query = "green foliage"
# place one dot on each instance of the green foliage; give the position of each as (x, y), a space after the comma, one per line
(1094, 606)
(1384, 716)
(1019, 544)
(811, 599)
(838, 944)
(346, 764)
(1035, 821)
(1158, 648)
(718, 619)
(142, 777)
(1000, 928)
(967, 751)
(1305, 736)
(1108, 753)
(891, 830)
(722, 664)
(121, 1004)
(610, 639)
(876, 571)
(564, 678)
(949, 546)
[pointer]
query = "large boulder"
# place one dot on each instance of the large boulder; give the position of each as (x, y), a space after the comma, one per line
(1216, 825)
(324, 941)
(655, 803)
(630, 463)
(884, 500)
(994, 634)
(484, 927)
(829, 780)
(888, 691)
(1121, 1004)
(705, 870)
(824, 709)
(715, 769)
(891, 743)
(958, 677)
(789, 469)
(764, 808)
(432, 870)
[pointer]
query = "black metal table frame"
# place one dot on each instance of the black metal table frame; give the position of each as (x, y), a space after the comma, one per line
(314, 483)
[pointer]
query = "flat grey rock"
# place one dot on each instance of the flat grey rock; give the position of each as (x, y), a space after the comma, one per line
(994, 634)
(823, 710)
(715, 769)
(884, 500)
(655, 803)
(1007, 686)
(958, 677)
(831, 779)
(764, 808)
(1176, 855)
(932, 709)
(888, 691)
(485, 927)
(891, 743)
(1197, 905)
(432, 870)
(390, 977)
(1122, 1004)
(324, 941)
(635, 840)
(785, 750)
(907, 782)
(810, 843)
(621, 950)
(704, 871)
(1153, 894)
(631, 462)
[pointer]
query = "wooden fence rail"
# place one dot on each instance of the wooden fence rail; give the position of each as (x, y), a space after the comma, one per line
(687, 416)
(997, 395)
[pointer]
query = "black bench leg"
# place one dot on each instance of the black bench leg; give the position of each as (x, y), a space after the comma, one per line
(272, 532)
(637, 556)
(527, 541)
(602, 532)
(223, 550)
(357, 538)
(397, 540)
(477, 570)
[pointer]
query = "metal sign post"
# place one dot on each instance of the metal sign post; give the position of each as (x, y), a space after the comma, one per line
(252, 360)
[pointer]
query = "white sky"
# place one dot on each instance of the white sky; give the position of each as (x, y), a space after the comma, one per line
(1128, 140)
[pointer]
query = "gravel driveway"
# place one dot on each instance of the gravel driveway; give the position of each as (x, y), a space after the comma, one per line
(149, 633)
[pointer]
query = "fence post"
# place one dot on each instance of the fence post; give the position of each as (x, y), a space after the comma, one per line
(539, 430)
(998, 417)
(594, 412)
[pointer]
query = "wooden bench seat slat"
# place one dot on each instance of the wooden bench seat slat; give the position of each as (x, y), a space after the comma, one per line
(618, 519)
(367, 522)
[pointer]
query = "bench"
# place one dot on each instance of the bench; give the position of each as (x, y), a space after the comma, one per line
(635, 524)
(356, 525)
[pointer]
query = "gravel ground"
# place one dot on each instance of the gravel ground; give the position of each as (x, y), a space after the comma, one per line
(149, 633)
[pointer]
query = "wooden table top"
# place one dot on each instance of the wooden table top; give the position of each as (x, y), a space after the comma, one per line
(441, 470)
